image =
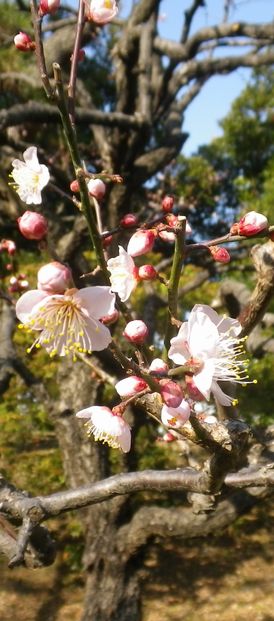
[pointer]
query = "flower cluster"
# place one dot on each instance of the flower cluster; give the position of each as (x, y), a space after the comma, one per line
(69, 321)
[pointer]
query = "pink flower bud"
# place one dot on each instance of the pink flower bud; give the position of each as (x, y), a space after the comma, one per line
(54, 278)
(107, 241)
(74, 186)
(136, 331)
(47, 7)
(33, 225)
(171, 392)
(107, 320)
(8, 245)
(147, 272)
(128, 221)
(23, 42)
(252, 223)
(221, 255)
(102, 11)
(167, 203)
(158, 367)
(192, 389)
(97, 188)
(169, 437)
(141, 242)
(130, 386)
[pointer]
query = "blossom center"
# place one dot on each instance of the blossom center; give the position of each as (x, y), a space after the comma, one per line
(63, 326)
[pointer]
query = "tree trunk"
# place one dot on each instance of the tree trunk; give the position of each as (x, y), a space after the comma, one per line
(112, 591)
(112, 586)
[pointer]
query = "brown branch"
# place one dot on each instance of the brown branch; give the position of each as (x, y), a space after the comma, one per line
(47, 113)
(180, 52)
(263, 257)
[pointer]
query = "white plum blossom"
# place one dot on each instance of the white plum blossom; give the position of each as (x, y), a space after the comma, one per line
(67, 323)
(175, 417)
(107, 427)
(30, 177)
(123, 274)
(211, 343)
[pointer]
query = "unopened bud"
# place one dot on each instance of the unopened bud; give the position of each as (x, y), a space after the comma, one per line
(107, 320)
(192, 389)
(23, 42)
(171, 393)
(102, 11)
(169, 437)
(136, 331)
(47, 7)
(33, 225)
(167, 203)
(141, 242)
(128, 221)
(221, 255)
(54, 277)
(107, 241)
(97, 188)
(74, 186)
(252, 223)
(130, 386)
(158, 367)
(147, 272)
(8, 245)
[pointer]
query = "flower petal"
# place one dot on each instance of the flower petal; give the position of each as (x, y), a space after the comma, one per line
(203, 335)
(220, 395)
(203, 380)
(179, 351)
(98, 301)
(27, 302)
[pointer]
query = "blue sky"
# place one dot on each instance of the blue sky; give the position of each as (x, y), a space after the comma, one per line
(213, 103)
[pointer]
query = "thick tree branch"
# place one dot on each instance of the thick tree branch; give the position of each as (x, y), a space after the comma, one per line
(47, 113)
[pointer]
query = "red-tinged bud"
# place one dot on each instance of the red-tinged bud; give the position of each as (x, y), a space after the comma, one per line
(9, 246)
(128, 221)
(167, 203)
(102, 11)
(107, 241)
(47, 7)
(147, 272)
(74, 186)
(221, 255)
(23, 42)
(169, 437)
(107, 320)
(33, 225)
(97, 188)
(141, 242)
(54, 277)
(23, 284)
(252, 224)
(136, 331)
(158, 367)
(9, 267)
(171, 393)
(130, 386)
(192, 389)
